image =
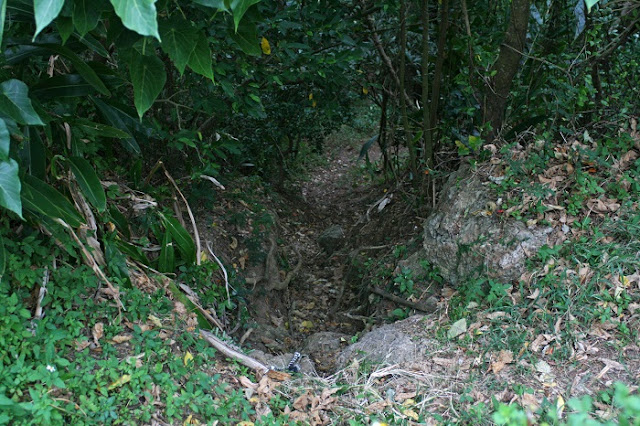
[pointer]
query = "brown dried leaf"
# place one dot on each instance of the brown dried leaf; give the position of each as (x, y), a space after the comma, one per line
(97, 332)
(121, 338)
(81, 345)
(504, 357)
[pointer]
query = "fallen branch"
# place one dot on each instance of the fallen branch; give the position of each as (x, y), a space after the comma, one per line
(413, 305)
(234, 354)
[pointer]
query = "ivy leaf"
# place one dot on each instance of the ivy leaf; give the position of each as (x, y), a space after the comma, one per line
(46, 11)
(86, 14)
(178, 40)
(247, 38)
(88, 182)
(15, 102)
(148, 77)
(40, 197)
(239, 8)
(200, 59)
(10, 187)
(138, 16)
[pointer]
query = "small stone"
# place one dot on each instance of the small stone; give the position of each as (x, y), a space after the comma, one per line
(331, 239)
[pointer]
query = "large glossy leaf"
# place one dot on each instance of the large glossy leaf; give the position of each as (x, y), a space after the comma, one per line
(138, 16)
(183, 240)
(10, 187)
(15, 102)
(39, 197)
(5, 141)
(239, 8)
(92, 44)
(148, 77)
(46, 11)
(88, 182)
(178, 40)
(247, 38)
(86, 14)
(114, 117)
(200, 59)
(3, 12)
(80, 65)
(62, 86)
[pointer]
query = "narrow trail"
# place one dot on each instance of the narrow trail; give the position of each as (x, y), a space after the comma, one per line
(324, 305)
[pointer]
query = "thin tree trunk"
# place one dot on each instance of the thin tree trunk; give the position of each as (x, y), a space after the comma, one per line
(507, 65)
(403, 105)
(443, 27)
(426, 119)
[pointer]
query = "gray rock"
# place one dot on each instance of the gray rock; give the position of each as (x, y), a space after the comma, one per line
(324, 347)
(331, 239)
(401, 342)
(460, 239)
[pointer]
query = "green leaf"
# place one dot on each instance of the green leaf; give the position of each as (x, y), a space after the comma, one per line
(89, 182)
(148, 77)
(166, 260)
(37, 154)
(138, 16)
(3, 257)
(200, 59)
(216, 4)
(590, 4)
(120, 221)
(3, 13)
(39, 197)
(115, 117)
(178, 40)
(86, 14)
(97, 130)
(5, 141)
(65, 27)
(80, 65)
(46, 11)
(247, 38)
(239, 8)
(62, 86)
(15, 102)
(10, 187)
(185, 243)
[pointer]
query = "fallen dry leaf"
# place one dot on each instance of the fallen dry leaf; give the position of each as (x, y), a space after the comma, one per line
(504, 357)
(97, 332)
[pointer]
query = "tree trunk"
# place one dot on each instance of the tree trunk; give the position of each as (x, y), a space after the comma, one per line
(507, 65)
(426, 119)
(403, 105)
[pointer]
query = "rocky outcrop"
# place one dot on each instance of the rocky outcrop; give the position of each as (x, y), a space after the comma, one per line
(464, 236)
